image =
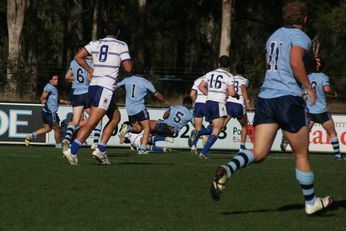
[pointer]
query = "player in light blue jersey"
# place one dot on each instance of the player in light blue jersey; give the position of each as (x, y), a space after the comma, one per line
(217, 86)
(318, 112)
(174, 119)
(108, 55)
(137, 87)
(280, 105)
(80, 100)
(50, 118)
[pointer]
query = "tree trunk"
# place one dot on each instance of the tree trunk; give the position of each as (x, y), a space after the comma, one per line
(32, 53)
(15, 20)
(95, 16)
(225, 43)
(140, 30)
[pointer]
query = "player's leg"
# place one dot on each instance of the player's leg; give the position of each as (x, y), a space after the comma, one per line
(97, 133)
(329, 126)
(243, 123)
(299, 142)
(71, 128)
(95, 116)
(218, 124)
(264, 138)
(145, 124)
(198, 127)
(100, 152)
(56, 129)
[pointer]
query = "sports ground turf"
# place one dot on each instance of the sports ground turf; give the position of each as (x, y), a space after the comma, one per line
(170, 191)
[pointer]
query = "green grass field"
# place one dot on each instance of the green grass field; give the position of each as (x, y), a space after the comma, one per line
(170, 191)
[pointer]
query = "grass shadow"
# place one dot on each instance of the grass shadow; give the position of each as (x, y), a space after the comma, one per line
(324, 213)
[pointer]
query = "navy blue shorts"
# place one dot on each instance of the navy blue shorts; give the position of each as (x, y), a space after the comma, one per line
(199, 110)
(140, 116)
(214, 110)
(50, 118)
(320, 117)
(235, 110)
(286, 111)
(80, 100)
(163, 129)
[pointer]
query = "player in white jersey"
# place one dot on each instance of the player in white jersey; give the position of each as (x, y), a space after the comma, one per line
(280, 105)
(236, 107)
(217, 85)
(199, 108)
(108, 54)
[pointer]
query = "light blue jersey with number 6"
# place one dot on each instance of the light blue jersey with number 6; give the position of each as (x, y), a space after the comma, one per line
(80, 82)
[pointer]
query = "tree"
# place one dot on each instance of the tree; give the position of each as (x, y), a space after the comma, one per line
(15, 20)
(225, 42)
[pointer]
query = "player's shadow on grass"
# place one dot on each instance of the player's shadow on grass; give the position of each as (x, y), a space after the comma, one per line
(335, 206)
(141, 163)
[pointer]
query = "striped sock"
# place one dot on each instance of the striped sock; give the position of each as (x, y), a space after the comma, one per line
(336, 146)
(69, 132)
(34, 135)
(241, 160)
(97, 133)
(75, 146)
(306, 181)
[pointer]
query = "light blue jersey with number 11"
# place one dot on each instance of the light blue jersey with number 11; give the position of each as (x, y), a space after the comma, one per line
(279, 80)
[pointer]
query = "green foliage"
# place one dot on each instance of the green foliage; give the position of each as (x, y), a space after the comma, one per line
(180, 38)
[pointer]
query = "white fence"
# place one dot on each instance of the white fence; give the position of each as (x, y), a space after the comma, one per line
(16, 120)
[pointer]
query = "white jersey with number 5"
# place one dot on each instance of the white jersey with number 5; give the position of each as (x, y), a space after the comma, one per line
(218, 82)
(107, 53)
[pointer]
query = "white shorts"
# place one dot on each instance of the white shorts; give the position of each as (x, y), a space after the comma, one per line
(100, 97)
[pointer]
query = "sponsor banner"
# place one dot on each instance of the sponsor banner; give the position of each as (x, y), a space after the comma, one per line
(16, 120)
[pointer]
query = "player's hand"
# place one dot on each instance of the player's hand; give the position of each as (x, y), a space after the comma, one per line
(312, 94)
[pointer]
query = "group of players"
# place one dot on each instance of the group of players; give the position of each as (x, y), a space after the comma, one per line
(280, 98)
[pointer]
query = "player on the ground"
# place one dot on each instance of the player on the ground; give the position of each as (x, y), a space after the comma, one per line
(280, 98)
(174, 119)
(50, 118)
(137, 87)
(108, 54)
(217, 86)
(236, 107)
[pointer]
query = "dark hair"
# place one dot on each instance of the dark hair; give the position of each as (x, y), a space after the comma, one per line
(112, 28)
(224, 61)
(139, 68)
(50, 77)
(240, 68)
(187, 100)
(294, 13)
